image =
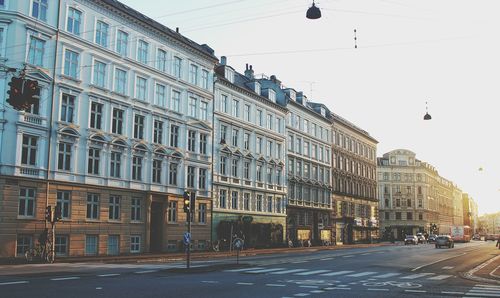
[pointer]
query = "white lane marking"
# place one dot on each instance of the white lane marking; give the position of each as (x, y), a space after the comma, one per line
(245, 283)
(448, 267)
(309, 287)
(302, 294)
(242, 269)
(210, 281)
(452, 293)
(484, 290)
(377, 289)
(289, 271)
(65, 278)
(13, 282)
(482, 294)
(311, 272)
(362, 274)
(145, 271)
(416, 291)
(348, 256)
(488, 286)
(414, 276)
(341, 288)
(275, 285)
(365, 254)
(337, 273)
(419, 267)
(439, 277)
(108, 275)
(264, 270)
(326, 259)
(317, 291)
(98, 288)
(299, 262)
(387, 275)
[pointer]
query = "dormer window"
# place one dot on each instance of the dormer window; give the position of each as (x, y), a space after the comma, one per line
(323, 112)
(293, 95)
(229, 74)
(272, 95)
(257, 88)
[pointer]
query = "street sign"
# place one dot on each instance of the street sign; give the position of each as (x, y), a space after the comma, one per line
(187, 238)
(238, 243)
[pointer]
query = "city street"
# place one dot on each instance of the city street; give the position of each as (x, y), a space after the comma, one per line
(383, 271)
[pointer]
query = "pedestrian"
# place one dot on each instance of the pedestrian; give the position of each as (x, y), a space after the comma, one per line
(498, 242)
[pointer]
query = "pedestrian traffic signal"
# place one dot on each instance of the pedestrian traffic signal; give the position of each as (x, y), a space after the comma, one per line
(187, 201)
(15, 93)
(57, 213)
(48, 213)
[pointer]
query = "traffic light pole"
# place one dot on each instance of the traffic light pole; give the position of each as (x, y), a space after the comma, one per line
(188, 258)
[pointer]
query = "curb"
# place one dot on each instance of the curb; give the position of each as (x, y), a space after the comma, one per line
(470, 274)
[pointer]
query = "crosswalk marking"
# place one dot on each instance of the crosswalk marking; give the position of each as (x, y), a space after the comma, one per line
(243, 269)
(484, 291)
(264, 270)
(312, 272)
(387, 275)
(361, 274)
(337, 273)
(414, 276)
(439, 277)
(289, 271)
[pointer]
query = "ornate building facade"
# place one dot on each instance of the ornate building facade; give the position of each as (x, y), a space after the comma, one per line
(122, 128)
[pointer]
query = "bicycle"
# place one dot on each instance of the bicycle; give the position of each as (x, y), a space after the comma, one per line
(45, 253)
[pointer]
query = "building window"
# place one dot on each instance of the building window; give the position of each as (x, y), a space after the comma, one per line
(61, 247)
(161, 60)
(172, 211)
(246, 201)
(202, 213)
(222, 198)
(193, 74)
(99, 74)
(122, 43)
(269, 204)
(223, 134)
(279, 127)
(91, 244)
(137, 168)
(420, 216)
(139, 127)
(177, 67)
(204, 111)
(235, 137)
(260, 120)
(117, 122)
(398, 215)
(95, 115)
(223, 165)
(140, 88)
(278, 176)
(114, 208)
(246, 170)
(202, 179)
(398, 202)
(172, 175)
(92, 206)
(135, 244)
(190, 176)
(93, 161)
(246, 112)
(113, 245)
(101, 34)
(259, 203)
(204, 79)
(71, 64)
(24, 242)
(246, 141)
(192, 107)
(278, 205)
(35, 52)
(409, 215)
(269, 149)
(160, 96)
(157, 165)
(135, 211)
(259, 145)
(67, 108)
(203, 143)
(234, 168)
(269, 175)
(236, 108)
(120, 81)
(142, 52)
(64, 157)
(115, 164)
(174, 136)
(74, 21)
(39, 10)
(158, 132)
(234, 200)
(64, 202)
(408, 202)
(259, 173)
(176, 99)
(223, 103)
(269, 122)
(26, 202)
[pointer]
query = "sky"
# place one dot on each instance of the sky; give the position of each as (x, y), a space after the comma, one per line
(443, 52)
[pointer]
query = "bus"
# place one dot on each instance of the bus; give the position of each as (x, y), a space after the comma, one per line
(461, 233)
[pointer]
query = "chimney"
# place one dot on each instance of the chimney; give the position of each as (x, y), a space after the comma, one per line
(177, 29)
(249, 72)
(223, 60)
(275, 80)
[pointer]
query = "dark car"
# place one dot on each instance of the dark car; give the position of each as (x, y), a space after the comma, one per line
(444, 240)
(492, 237)
(411, 239)
(432, 238)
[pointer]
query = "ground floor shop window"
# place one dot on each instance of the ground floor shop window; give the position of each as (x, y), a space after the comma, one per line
(113, 244)
(62, 245)
(135, 244)
(91, 242)
(303, 234)
(24, 242)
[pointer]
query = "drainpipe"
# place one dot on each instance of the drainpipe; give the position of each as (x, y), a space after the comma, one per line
(213, 161)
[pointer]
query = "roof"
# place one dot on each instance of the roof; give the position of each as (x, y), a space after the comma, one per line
(203, 49)
(338, 119)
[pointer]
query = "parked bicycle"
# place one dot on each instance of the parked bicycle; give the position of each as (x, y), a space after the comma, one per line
(44, 254)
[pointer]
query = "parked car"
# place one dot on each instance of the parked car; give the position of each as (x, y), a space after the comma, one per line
(444, 240)
(411, 239)
(421, 238)
(432, 239)
(476, 237)
(490, 237)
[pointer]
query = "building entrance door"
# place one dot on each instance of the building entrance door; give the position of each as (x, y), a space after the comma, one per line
(156, 228)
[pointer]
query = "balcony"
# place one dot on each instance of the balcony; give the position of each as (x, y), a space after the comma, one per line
(32, 119)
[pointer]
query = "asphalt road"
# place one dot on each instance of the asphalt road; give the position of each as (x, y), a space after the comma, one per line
(386, 271)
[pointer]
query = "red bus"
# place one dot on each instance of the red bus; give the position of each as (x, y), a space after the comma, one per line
(461, 233)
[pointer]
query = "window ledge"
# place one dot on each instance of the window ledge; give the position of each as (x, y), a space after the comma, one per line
(63, 76)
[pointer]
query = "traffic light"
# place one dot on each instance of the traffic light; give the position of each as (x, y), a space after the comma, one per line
(48, 213)
(16, 93)
(57, 213)
(192, 203)
(31, 92)
(187, 201)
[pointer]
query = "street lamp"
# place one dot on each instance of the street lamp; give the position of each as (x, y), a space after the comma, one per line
(313, 12)
(427, 116)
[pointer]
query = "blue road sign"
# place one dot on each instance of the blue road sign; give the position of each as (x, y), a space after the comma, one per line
(187, 238)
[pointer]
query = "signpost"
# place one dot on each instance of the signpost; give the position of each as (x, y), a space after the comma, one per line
(189, 208)
(238, 245)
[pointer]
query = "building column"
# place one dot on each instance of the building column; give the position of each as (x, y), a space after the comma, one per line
(147, 228)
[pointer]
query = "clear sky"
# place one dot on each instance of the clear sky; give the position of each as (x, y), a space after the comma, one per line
(445, 52)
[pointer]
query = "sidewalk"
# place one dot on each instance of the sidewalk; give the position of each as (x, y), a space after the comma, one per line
(178, 256)
(488, 272)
